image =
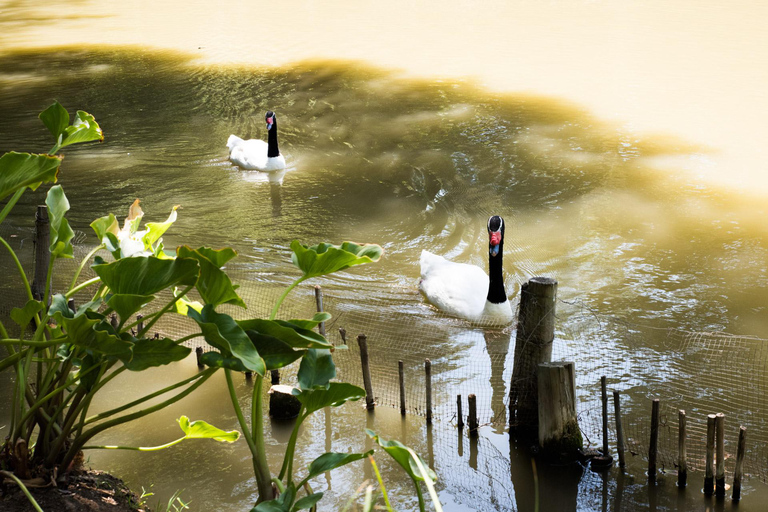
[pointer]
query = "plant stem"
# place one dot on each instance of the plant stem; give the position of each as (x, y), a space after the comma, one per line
(381, 483)
(162, 312)
(273, 314)
(81, 286)
(82, 264)
(11, 203)
(287, 469)
(20, 268)
(136, 448)
(24, 489)
(257, 423)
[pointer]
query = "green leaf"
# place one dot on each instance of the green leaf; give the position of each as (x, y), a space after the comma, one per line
(82, 331)
(316, 370)
(336, 394)
(126, 305)
(325, 258)
(104, 225)
(307, 502)
(214, 284)
(404, 456)
(19, 170)
(216, 360)
(146, 275)
(291, 334)
(281, 504)
(25, 315)
(201, 430)
(222, 332)
(182, 304)
(276, 353)
(156, 229)
(314, 322)
(61, 234)
(83, 129)
(88, 380)
(59, 305)
(331, 461)
(55, 118)
(148, 353)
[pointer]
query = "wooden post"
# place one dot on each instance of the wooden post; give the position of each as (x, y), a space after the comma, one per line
(653, 448)
(720, 455)
(619, 429)
(533, 345)
(559, 432)
(71, 305)
(248, 375)
(282, 404)
(460, 424)
(709, 472)
(473, 423)
(113, 321)
(401, 376)
(428, 377)
(198, 353)
(362, 342)
(738, 472)
(682, 460)
(274, 377)
(319, 302)
(140, 325)
(604, 398)
(42, 252)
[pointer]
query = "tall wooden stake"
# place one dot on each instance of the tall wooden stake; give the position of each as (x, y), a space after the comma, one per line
(604, 398)
(720, 455)
(362, 342)
(198, 353)
(42, 252)
(682, 462)
(739, 471)
(319, 302)
(401, 377)
(473, 423)
(619, 429)
(459, 413)
(653, 449)
(709, 469)
(428, 376)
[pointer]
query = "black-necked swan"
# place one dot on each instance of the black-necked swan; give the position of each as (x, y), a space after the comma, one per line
(464, 290)
(255, 154)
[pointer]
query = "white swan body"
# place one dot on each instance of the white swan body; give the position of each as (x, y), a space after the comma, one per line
(252, 155)
(462, 290)
(255, 154)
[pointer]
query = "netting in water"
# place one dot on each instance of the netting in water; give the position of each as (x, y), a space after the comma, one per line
(702, 373)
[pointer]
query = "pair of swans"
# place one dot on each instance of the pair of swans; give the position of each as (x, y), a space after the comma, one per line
(458, 289)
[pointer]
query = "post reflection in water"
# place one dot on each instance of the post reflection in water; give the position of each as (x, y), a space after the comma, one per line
(557, 486)
(497, 345)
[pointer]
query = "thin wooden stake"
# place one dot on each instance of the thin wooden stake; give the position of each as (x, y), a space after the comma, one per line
(71, 305)
(619, 429)
(198, 353)
(604, 398)
(720, 454)
(140, 325)
(319, 302)
(42, 252)
(428, 374)
(248, 375)
(113, 321)
(459, 412)
(401, 376)
(709, 472)
(473, 424)
(653, 449)
(362, 342)
(682, 460)
(738, 472)
(274, 377)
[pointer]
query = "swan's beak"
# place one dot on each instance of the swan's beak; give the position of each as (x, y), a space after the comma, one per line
(493, 250)
(269, 123)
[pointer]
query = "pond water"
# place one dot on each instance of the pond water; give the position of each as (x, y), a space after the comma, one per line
(623, 144)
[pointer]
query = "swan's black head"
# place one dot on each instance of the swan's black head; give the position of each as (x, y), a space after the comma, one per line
(495, 234)
(271, 119)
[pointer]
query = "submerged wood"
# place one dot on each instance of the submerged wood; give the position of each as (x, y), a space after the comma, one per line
(533, 345)
(559, 433)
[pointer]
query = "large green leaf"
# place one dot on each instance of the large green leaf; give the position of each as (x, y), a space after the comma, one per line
(282, 503)
(291, 334)
(61, 234)
(82, 331)
(126, 305)
(322, 259)
(55, 118)
(146, 275)
(336, 394)
(183, 304)
(214, 284)
(216, 360)
(317, 319)
(104, 225)
(156, 229)
(316, 369)
(202, 430)
(405, 457)
(148, 353)
(22, 316)
(83, 129)
(221, 331)
(331, 461)
(276, 353)
(19, 170)
(307, 502)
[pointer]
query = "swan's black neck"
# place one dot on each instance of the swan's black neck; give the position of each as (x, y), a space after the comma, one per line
(496, 292)
(272, 149)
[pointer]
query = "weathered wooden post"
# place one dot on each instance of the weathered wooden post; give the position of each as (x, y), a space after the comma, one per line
(533, 345)
(428, 378)
(653, 448)
(559, 433)
(738, 471)
(319, 303)
(720, 455)
(401, 378)
(709, 471)
(140, 325)
(113, 321)
(682, 460)
(42, 252)
(604, 399)
(71, 305)
(198, 354)
(362, 342)
(282, 404)
(459, 413)
(473, 423)
(619, 429)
